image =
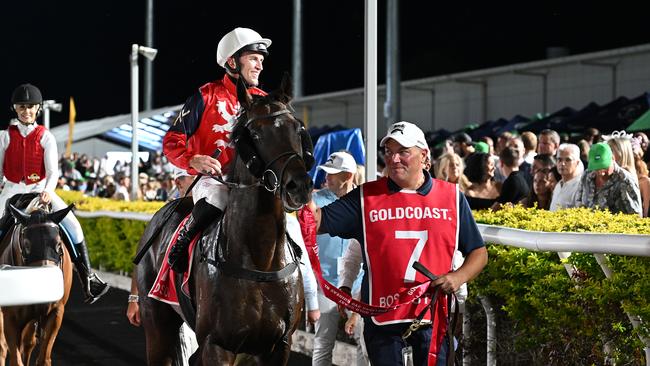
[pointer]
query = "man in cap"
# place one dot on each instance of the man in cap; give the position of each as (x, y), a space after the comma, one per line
(606, 185)
(391, 241)
(340, 169)
(28, 162)
(182, 181)
(205, 123)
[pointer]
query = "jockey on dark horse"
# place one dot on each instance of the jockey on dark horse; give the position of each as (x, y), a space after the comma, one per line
(205, 123)
(28, 161)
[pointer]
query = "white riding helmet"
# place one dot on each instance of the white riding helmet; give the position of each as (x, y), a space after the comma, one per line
(238, 39)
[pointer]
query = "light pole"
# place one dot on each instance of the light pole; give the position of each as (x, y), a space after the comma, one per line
(47, 105)
(150, 54)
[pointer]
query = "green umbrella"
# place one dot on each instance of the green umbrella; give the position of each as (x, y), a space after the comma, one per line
(641, 124)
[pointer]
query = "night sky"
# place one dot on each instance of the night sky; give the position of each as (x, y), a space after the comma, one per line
(81, 48)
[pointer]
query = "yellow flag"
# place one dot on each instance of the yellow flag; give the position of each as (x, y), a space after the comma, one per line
(71, 119)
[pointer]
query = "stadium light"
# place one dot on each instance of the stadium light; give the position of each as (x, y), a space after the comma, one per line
(47, 106)
(150, 54)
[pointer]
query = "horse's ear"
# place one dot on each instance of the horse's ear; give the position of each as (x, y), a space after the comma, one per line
(286, 89)
(19, 215)
(57, 216)
(243, 96)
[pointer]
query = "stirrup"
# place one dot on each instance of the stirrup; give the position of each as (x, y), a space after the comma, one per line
(96, 288)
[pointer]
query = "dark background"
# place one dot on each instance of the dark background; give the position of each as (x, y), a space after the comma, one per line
(81, 48)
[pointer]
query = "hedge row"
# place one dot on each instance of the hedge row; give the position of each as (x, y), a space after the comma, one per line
(543, 316)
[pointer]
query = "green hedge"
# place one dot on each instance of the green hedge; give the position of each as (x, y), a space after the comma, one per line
(543, 316)
(112, 243)
(546, 318)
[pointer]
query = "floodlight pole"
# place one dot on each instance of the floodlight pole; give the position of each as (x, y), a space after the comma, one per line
(47, 105)
(134, 122)
(150, 54)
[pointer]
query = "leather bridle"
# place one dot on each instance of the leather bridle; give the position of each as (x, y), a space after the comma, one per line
(269, 178)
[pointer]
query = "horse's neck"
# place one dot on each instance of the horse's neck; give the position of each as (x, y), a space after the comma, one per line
(255, 219)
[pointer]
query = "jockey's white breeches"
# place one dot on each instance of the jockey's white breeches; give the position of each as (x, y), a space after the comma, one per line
(214, 192)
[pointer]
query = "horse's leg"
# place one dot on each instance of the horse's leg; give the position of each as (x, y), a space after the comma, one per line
(50, 331)
(28, 341)
(211, 354)
(3, 341)
(161, 328)
(13, 335)
(279, 355)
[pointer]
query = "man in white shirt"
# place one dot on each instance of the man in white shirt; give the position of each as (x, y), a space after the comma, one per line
(570, 168)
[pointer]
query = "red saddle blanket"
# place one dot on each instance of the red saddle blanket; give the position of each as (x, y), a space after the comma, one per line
(164, 288)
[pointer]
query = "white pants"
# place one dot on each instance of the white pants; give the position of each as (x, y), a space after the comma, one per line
(326, 328)
(214, 192)
(69, 223)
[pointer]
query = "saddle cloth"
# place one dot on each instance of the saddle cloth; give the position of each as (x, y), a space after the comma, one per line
(164, 288)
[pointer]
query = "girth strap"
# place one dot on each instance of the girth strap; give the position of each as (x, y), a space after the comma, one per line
(231, 270)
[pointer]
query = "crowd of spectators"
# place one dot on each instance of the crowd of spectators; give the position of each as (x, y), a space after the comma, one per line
(549, 171)
(158, 180)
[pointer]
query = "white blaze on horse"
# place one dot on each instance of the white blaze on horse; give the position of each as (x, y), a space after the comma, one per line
(245, 288)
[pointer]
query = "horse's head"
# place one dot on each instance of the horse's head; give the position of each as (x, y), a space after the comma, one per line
(274, 145)
(41, 240)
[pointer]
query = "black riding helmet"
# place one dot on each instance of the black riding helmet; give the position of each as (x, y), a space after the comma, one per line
(26, 94)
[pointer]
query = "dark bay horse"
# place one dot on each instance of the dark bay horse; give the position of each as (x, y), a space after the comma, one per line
(244, 282)
(35, 241)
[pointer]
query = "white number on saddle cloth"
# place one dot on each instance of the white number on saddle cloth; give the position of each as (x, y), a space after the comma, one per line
(422, 236)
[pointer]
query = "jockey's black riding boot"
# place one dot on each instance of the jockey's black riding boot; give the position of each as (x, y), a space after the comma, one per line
(203, 213)
(93, 286)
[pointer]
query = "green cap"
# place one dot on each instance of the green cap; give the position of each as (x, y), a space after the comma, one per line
(600, 156)
(482, 147)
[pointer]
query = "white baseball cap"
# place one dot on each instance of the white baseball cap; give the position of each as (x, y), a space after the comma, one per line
(178, 172)
(339, 162)
(406, 134)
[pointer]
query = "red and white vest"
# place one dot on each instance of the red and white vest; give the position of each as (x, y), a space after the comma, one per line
(401, 228)
(24, 157)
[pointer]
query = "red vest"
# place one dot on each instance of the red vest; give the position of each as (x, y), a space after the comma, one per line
(401, 228)
(24, 158)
